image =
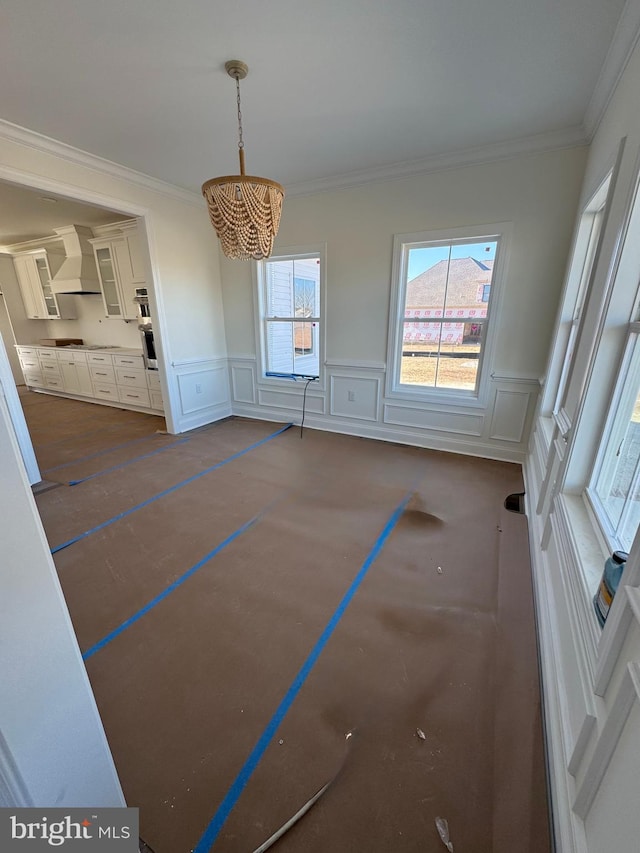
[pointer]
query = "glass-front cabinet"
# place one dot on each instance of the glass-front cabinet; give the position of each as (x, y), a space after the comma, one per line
(44, 277)
(117, 278)
(107, 273)
(34, 274)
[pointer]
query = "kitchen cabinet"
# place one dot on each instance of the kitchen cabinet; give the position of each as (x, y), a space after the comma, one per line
(120, 269)
(75, 373)
(34, 271)
(138, 269)
(120, 378)
(30, 364)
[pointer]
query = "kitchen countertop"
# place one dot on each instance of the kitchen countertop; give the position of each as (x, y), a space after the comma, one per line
(89, 348)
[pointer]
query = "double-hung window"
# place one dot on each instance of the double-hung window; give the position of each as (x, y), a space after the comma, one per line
(615, 486)
(442, 298)
(290, 288)
(583, 260)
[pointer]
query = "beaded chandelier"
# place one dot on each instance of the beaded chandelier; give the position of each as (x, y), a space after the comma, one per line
(244, 210)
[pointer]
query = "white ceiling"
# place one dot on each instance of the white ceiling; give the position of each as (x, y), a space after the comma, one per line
(334, 87)
(28, 214)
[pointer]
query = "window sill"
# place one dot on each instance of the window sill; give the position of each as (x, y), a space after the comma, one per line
(589, 545)
(443, 397)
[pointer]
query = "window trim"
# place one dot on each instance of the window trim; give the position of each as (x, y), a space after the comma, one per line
(583, 263)
(500, 232)
(259, 298)
(624, 395)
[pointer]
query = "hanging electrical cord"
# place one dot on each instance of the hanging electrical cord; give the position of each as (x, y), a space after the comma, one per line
(295, 377)
(304, 401)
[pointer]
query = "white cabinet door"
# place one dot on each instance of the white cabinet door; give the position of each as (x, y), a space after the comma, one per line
(34, 277)
(108, 279)
(29, 288)
(126, 279)
(76, 377)
(135, 255)
(117, 277)
(69, 376)
(84, 379)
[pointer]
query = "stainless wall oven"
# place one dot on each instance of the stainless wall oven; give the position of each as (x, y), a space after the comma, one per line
(145, 324)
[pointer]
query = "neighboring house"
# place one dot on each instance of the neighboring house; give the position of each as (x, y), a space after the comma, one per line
(449, 289)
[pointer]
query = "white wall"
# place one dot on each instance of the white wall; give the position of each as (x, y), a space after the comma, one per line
(93, 327)
(53, 750)
(591, 677)
(183, 255)
(536, 193)
(6, 333)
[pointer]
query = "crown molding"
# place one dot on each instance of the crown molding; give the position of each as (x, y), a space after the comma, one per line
(569, 137)
(45, 144)
(49, 243)
(622, 46)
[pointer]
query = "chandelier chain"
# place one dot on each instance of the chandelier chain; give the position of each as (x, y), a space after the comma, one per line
(240, 139)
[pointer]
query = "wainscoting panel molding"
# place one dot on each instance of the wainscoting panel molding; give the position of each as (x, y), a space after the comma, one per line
(203, 389)
(355, 397)
(291, 401)
(243, 383)
(443, 421)
(509, 415)
(351, 400)
(627, 695)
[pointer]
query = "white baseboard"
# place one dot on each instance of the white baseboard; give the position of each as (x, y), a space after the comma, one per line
(469, 446)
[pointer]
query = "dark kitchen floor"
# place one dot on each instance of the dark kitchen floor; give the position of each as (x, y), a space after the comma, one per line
(245, 598)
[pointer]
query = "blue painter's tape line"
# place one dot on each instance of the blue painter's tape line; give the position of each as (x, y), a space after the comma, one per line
(166, 492)
(171, 588)
(98, 453)
(129, 462)
(233, 795)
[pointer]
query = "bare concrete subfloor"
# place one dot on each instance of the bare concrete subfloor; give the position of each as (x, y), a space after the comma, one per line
(438, 635)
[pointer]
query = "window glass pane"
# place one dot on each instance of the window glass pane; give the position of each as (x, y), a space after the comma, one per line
(420, 347)
(279, 301)
(621, 484)
(457, 372)
(293, 347)
(469, 279)
(306, 272)
(618, 482)
(279, 347)
(306, 360)
(451, 283)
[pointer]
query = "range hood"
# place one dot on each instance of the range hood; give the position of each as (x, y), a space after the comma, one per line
(78, 273)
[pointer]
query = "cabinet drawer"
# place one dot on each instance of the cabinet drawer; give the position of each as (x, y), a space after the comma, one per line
(156, 400)
(30, 363)
(47, 354)
(135, 396)
(105, 391)
(99, 358)
(27, 352)
(102, 373)
(34, 380)
(135, 361)
(153, 379)
(131, 378)
(54, 382)
(74, 355)
(50, 369)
